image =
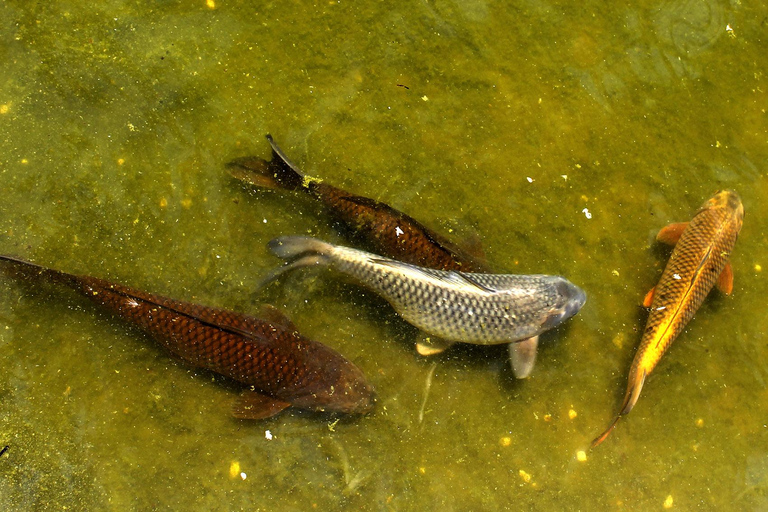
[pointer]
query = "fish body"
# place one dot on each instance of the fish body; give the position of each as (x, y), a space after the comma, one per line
(699, 259)
(281, 367)
(386, 230)
(482, 309)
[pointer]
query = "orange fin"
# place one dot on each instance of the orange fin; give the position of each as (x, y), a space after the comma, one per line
(725, 281)
(671, 234)
(252, 405)
(648, 300)
(636, 381)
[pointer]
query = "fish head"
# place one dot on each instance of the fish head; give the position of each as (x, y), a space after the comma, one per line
(568, 300)
(338, 386)
(728, 201)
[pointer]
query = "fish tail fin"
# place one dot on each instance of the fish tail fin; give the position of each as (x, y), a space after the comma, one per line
(636, 380)
(32, 271)
(290, 247)
(301, 251)
(277, 173)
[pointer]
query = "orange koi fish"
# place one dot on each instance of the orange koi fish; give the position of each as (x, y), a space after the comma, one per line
(698, 262)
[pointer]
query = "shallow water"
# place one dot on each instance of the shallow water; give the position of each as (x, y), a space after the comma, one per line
(510, 122)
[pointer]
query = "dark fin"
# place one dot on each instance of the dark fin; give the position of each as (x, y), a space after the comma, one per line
(522, 356)
(288, 247)
(252, 405)
(307, 260)
(28, 270)
(253, 171)
(473, 247)
(277, 173)
(671, 234)
(725, 281)
(446, 276)
(636, 381)
(276, 317)
(648, 300)
(432, 345)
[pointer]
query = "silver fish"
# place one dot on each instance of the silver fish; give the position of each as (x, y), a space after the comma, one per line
(482, 309)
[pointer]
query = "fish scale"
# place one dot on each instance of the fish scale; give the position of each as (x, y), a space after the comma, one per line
(386, 230)
(455, 306)
(699, 258)
(272, 358)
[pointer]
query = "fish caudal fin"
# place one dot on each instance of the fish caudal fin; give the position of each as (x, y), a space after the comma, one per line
(522, 356)
(304, 251)
(29, 270)
(290, 247)
(277, 173)
(636, 381)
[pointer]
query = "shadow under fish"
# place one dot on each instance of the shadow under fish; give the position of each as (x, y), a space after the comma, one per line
(450, 306)
(281, 367)
(385, 230)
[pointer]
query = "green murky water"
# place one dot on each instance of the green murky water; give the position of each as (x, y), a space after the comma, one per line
(507, 121)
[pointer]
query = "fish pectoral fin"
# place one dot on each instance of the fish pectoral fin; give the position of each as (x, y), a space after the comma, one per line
(252, 405)
(431, 345)
(671, 234)
(522, 356)
(725, 281)
(473, 246)
(648, 300)
(276, 317)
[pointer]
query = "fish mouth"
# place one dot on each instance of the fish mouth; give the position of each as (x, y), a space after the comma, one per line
(573, 298)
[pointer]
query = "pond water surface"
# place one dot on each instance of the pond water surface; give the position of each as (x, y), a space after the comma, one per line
(561, 135)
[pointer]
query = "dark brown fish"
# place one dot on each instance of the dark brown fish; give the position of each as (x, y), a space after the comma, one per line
(698, 262)
(389, 232)
(281, 367)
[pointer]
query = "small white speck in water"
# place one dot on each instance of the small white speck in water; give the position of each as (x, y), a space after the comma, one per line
(676, 276)
(398, 231)
(243, 475)
(530, 180)
(661, 308)
(268, 435)
(587, 213)
(265, 221)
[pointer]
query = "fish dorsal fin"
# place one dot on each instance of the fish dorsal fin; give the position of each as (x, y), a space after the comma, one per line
(671, 234)
(449, 277)
(276, 317)
(725, 281)
(522, 356)
(431, 345)
(252, 405)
